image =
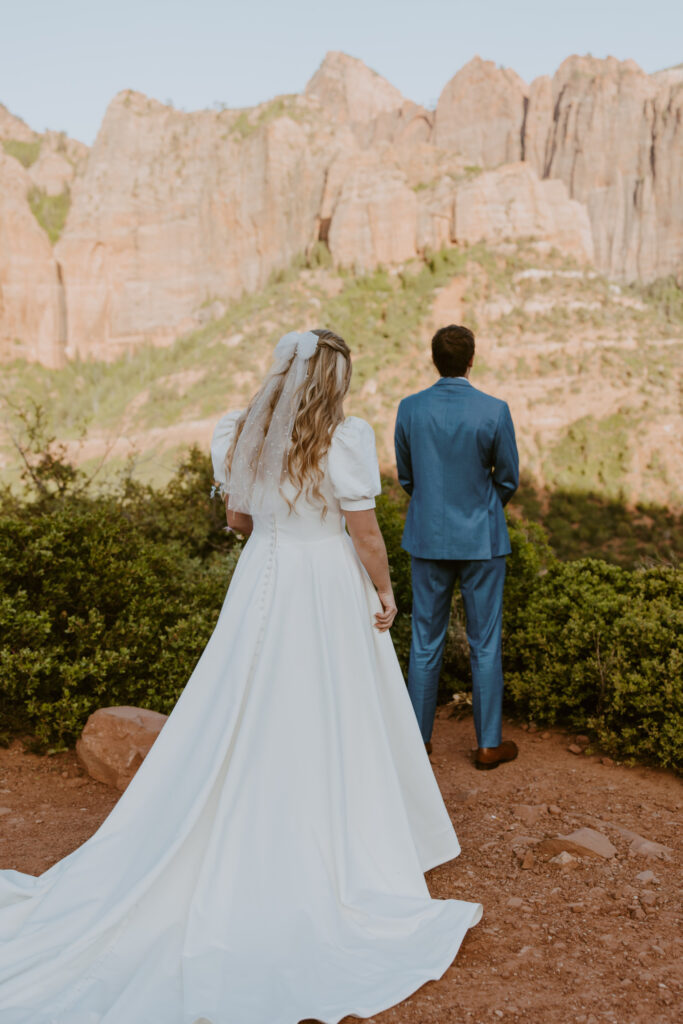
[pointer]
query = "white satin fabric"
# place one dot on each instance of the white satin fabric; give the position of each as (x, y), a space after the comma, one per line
(265, 865)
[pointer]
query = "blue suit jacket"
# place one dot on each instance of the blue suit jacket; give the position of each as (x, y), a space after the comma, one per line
(457, 459)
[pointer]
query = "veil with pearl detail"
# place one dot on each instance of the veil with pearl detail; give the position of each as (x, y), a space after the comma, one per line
(259, 458)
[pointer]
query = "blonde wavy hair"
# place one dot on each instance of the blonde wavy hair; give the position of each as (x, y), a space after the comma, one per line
(323, 391)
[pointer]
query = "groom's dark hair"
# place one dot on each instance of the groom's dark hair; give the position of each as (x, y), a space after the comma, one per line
(452, 350)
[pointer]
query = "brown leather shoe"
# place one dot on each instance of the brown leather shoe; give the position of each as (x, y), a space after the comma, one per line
(490, 757)
(428, 747)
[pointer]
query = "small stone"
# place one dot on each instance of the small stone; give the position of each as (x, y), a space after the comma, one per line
(529, 813)
(646, 848)
(528, 860)
(645, 877)
(563, 859)
(465, 796)
(585, 842)
(627, 892)
(532, 727)
(606, 761)
(582, 741)
(518, 841)
(65, 775)
(637, 913)
(515, 902)
(77, 782)
(648, 898)
(574, 748)
(5, 810)
(576, 908)
(554, 809)
(525, 726)
(545, 735)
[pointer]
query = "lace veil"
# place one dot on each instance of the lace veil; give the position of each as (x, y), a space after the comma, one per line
(259, 461)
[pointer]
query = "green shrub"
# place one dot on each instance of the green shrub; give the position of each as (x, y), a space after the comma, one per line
(94, 613)
(526, 565)
(50, 211)
(319, 256)
(391, 507)
(665, 297)
(587, 524)
(586, 644)
(592, 455)
(247, 122)
(25, 152)
(110, 598)
(599, 648)
(105, 599)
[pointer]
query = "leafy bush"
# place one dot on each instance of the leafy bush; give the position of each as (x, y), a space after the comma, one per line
(25, 152)
(248, 122)
(586, 644)
(591, 525)
(601, 648)
(665, 296)
(50, 211)
(526, 566)
(105, 599)
(110, 599)
(94, 612)
(391, 507)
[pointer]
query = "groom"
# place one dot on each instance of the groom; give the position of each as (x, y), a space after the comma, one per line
(457, 459)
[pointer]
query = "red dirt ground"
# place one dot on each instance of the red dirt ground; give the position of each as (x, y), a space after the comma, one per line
(581, 945)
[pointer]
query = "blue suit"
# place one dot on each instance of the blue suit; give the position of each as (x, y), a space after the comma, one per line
(457, 459)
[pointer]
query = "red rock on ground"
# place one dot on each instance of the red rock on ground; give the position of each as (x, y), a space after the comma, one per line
(115, 742)
(585, 842)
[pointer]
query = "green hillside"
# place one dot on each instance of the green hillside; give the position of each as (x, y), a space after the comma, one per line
(590, 369)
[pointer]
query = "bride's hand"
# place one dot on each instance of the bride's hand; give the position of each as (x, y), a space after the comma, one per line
(385, 618)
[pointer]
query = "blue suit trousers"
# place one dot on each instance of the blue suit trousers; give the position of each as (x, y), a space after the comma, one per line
(481, 587)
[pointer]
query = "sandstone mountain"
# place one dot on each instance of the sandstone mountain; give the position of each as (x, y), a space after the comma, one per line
(170, 211)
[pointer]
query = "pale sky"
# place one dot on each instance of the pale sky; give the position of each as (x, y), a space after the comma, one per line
(62, 61)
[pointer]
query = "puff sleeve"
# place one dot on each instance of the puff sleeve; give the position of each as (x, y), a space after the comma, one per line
(220, 442)
(352, 465)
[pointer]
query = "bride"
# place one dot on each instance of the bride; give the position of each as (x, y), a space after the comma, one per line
(266, 863)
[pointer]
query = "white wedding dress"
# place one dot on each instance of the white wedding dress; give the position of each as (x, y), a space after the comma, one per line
(266, 863)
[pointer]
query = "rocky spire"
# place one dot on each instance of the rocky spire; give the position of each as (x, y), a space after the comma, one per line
(350, 91)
